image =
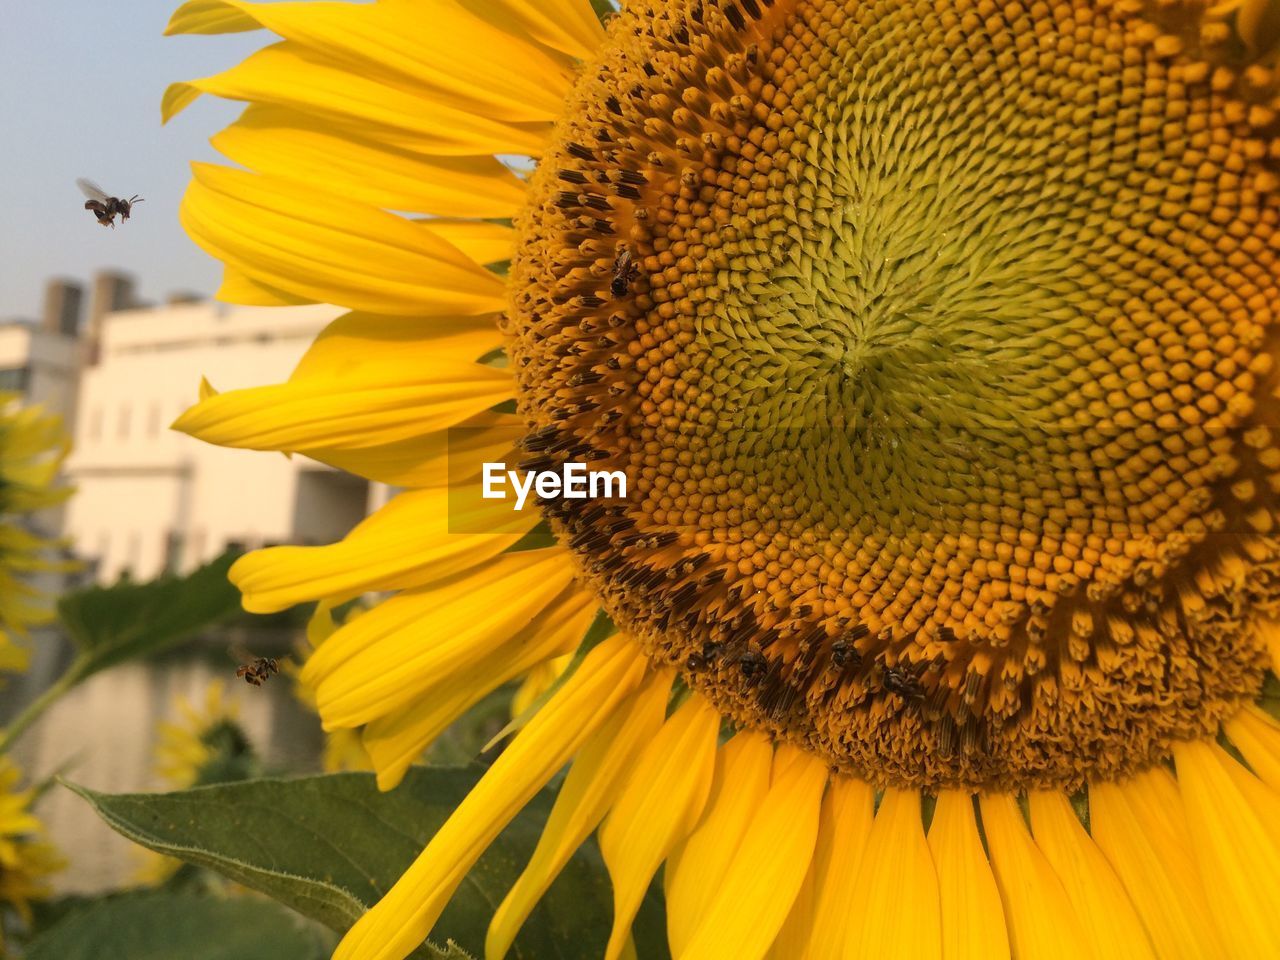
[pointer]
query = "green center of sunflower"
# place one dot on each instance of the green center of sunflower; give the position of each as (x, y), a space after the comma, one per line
(935, 341)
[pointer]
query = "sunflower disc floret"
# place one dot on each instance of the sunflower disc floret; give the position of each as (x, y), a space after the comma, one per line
(944, 380)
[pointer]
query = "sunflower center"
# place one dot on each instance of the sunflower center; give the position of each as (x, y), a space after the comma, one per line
(935, 340)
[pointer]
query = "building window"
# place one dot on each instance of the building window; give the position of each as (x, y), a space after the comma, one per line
(95, 424)
(153, 420)
(14, 379)
(122, 424)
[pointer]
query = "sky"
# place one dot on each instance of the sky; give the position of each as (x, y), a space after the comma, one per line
(80, 88)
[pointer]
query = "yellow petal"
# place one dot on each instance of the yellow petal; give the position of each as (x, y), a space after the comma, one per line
(657, 808)
(792, 941)
(396, 740)
(455, 456)
(1141, 828)
(848, 811)
(236, 287)
(1110, 922)
(321, 625)
(592, 785)
(1041, 921)
(356, 364)
(209, 16)
(896, 908)
(751, 900)
(435, 49)
(570, 26)
(973, 924)
(287, 74)
(13, 658)
(696, 867)
(1155, 798)
(331, 249)
(406, 543)
(405, 916)
(303, 148)
(1256, 734)
(1238, 855)
(381, 660)
(299, 417)
(1264, 801)
(367, 348)
(487, 243)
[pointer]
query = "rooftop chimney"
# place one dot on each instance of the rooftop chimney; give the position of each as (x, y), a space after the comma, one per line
(62, 302)
(112, 291)
(178, 298)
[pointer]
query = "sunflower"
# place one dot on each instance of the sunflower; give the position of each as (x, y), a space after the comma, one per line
(26, 860)
(204, 741)
(935, 339)
(32, 448)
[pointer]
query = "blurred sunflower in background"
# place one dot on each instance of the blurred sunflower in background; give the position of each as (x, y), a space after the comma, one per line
(26, 859)
(937, 342)
(204, 743)
(32, 448)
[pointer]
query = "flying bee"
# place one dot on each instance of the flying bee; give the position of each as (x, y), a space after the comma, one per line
(258, 671)
(624, 271)
(105, 207)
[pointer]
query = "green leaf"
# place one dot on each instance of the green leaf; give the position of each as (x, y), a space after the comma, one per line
(165, 926)
(110, 625)
(331, 846)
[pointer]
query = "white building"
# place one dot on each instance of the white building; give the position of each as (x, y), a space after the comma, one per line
(149, 499)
